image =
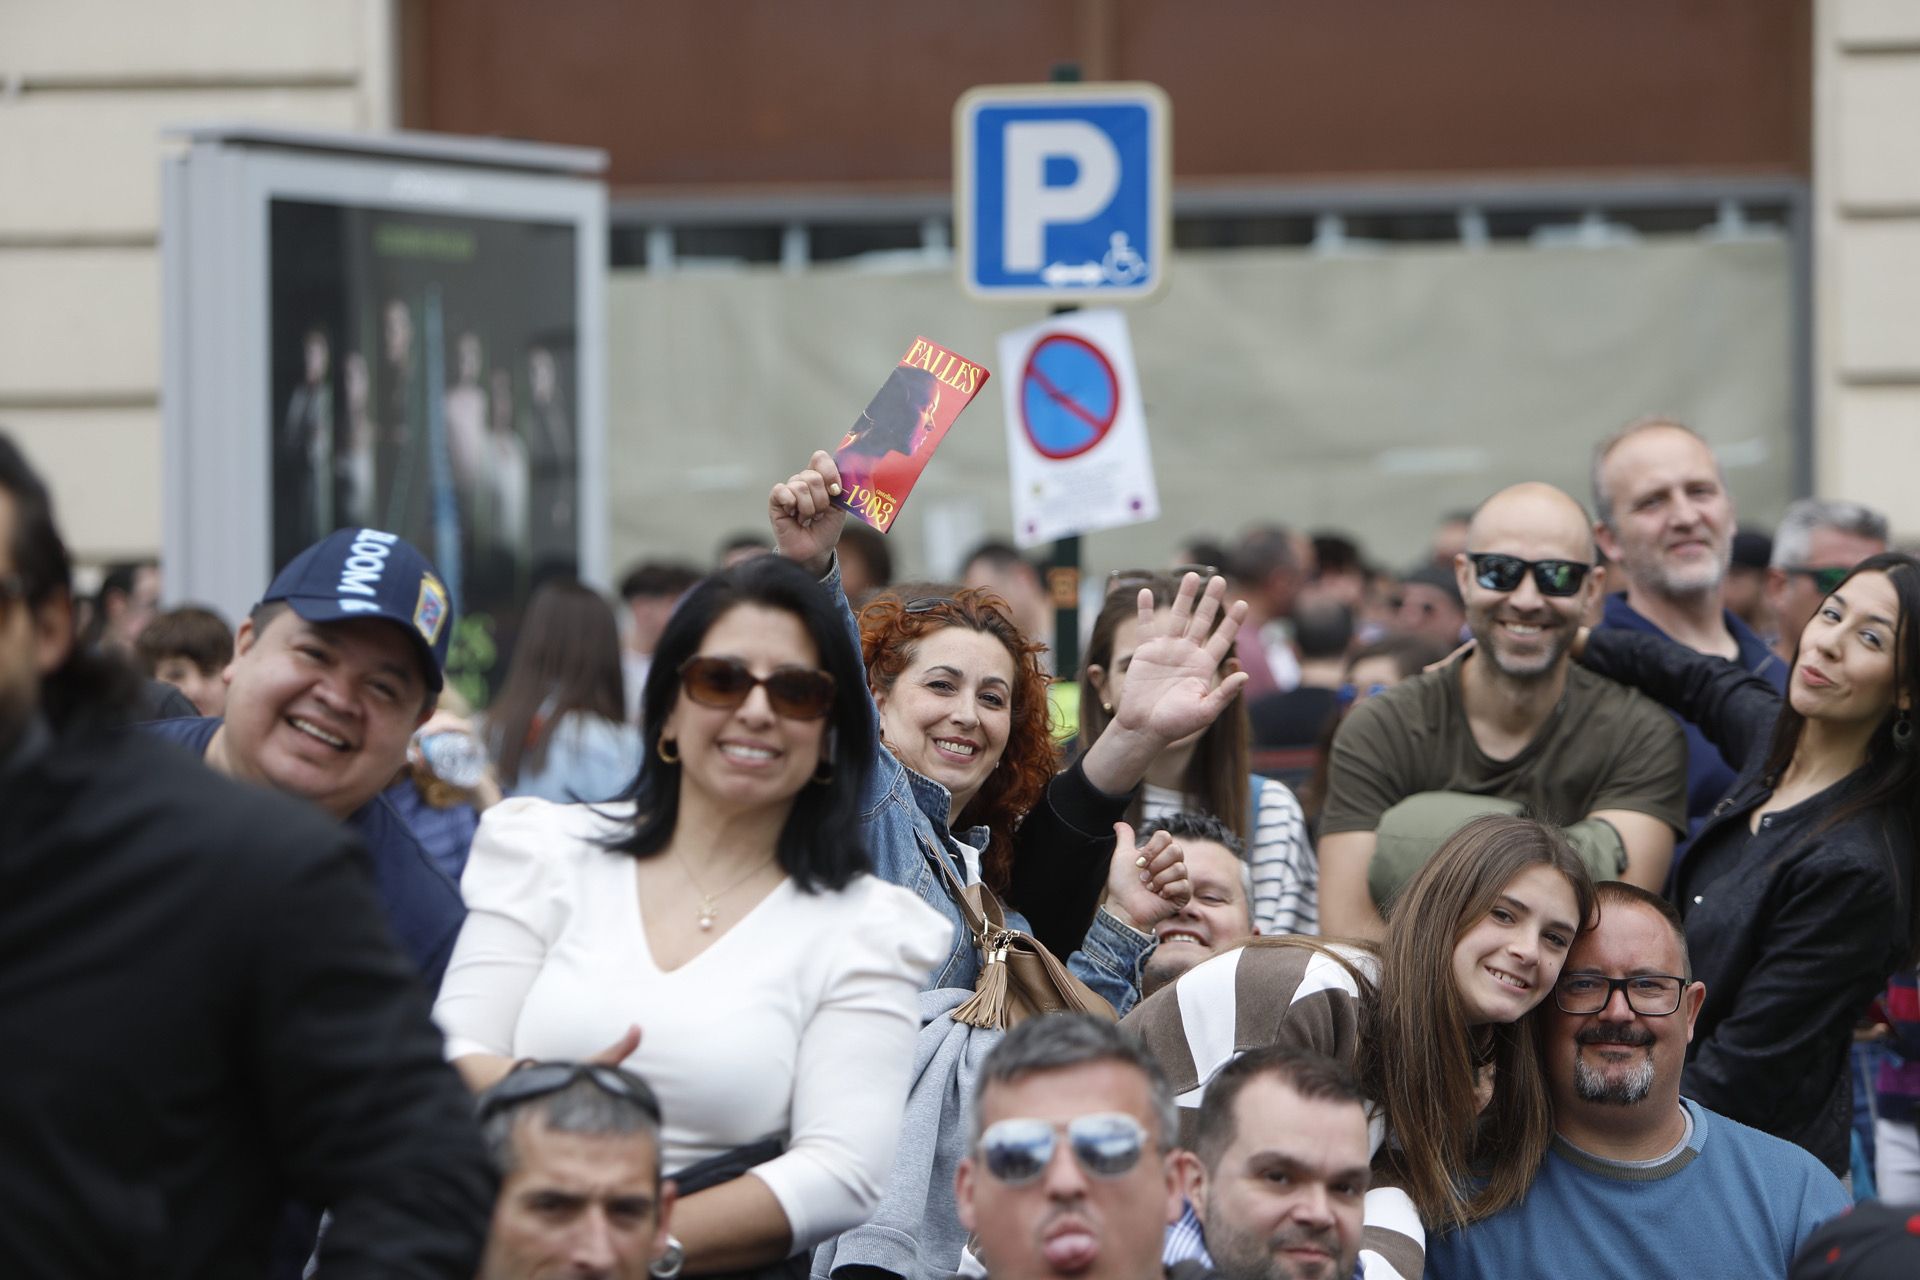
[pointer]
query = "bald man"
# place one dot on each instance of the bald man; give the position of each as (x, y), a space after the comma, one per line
(1511, 725)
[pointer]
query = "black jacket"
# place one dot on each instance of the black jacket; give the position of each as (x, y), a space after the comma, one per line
(202, 1013)
(1792, 927)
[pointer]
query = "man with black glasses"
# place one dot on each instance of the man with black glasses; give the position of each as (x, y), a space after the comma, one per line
(1510, 725)
(1071, 1170)
(577, 1145)
(1639, 1181)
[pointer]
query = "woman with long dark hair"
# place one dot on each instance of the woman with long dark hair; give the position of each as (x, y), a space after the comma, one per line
(717, 932)
(1435, 1022)
(1798, 892)
(556, 730)
(1207, 771)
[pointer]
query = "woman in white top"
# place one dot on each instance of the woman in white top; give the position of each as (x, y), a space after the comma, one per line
(1206, 771)
(720, 930)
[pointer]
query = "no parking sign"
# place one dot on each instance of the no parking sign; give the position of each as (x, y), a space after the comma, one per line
(1076, 436)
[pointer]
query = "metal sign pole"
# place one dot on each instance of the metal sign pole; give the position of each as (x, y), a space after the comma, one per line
(1063, 565)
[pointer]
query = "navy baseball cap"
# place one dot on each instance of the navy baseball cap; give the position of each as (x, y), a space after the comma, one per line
(365, 573)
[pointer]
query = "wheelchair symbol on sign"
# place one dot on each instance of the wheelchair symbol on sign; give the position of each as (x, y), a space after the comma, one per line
(1123, 263)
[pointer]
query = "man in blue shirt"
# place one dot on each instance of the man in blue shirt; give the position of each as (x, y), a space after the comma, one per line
(332, 672)
(1664, 517)
(1639, 1181)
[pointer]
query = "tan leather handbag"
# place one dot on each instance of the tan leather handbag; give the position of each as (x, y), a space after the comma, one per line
(1019, 978)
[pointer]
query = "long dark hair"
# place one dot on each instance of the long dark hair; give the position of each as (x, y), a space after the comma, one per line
(1891, 778)
(822, 844)
(1419, 1061)
(566, 660)
(1218, 777)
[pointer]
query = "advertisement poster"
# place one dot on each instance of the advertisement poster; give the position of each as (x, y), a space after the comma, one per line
(424, 373)
(885, 451)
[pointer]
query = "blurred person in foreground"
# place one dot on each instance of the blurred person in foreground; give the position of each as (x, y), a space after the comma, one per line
(557, 728)
(1874, 1240)
(332, 672)
(577, 1146)
(189, 648)
(1664, 517)
(1278, 1175)
(1640, 1181)
(1815, 544)
(1071, 1167)
(1512, 722)
(203, 1010)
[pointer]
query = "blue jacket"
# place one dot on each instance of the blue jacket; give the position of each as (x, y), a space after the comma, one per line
(424, 908)
(901, 809)
(1709, 776)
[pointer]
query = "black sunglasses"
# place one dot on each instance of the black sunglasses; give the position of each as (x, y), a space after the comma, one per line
(1496, 572)
(1106, 1143)
(798, 693)
(538, 1079)
(1827, 580)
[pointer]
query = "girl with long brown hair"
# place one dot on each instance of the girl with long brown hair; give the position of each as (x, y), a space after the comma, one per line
(1435, 1020)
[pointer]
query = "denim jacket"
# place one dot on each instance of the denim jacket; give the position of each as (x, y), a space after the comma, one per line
(901, 811)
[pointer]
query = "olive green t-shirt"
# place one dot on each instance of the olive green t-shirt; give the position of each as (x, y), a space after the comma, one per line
(1604, 747)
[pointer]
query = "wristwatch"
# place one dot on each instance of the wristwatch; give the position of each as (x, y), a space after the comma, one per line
(667, 1265)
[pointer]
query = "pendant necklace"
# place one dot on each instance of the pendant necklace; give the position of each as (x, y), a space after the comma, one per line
(710, 902)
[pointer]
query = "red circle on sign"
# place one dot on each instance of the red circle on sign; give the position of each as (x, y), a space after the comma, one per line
(1069, 396)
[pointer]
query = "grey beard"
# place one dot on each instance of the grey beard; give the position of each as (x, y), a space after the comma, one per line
(1594, 1086)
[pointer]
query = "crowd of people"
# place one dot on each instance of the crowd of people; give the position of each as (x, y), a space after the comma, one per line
(1548, 906)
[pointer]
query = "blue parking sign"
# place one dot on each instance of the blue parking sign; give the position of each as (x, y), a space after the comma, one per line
(1060, 191)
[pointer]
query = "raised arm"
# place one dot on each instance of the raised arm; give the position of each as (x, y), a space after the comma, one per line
(1734, 708)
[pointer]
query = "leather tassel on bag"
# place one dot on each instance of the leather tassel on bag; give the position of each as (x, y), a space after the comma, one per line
(988, 1005)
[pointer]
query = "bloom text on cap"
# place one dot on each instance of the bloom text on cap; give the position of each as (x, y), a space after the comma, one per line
(360, 575)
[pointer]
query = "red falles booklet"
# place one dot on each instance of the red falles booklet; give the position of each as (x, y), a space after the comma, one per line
(884, 453)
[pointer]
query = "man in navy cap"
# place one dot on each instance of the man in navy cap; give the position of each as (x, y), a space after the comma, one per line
(332, 672)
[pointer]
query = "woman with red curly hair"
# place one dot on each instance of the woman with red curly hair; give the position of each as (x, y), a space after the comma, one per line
(969, 773)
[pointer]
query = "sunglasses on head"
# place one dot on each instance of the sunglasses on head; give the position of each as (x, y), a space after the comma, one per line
(1496, 572)
(798, 693)
(1107, 1144)
(1827, 580)
(1146, 577)
(538, 1079)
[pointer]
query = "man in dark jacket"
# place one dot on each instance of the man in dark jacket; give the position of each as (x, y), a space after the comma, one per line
(202, 1008)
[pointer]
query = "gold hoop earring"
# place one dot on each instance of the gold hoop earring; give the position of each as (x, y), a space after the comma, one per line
(668, 749)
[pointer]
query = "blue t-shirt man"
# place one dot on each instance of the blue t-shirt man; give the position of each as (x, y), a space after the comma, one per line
(1727, 1203)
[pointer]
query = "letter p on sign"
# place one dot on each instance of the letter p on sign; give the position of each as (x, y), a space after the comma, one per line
(1032, 204)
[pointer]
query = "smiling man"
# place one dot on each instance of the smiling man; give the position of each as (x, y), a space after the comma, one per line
(332, 672)
(1640, 1181)
(1218, 915)
(1511, 725)
(1279, 1175)
(1666, 521)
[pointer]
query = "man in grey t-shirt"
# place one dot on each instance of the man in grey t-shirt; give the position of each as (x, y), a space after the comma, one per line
(1513, 724)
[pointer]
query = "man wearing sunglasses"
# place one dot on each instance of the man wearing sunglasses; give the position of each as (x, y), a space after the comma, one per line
(1640, 1181)
(1071, 1170)
(1815, 545)
(1511, 724)
(577, 1145)
(1665, 520)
